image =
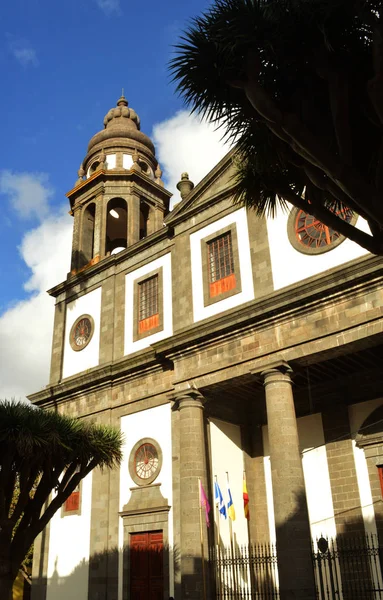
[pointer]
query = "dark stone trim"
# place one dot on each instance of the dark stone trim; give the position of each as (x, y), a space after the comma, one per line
(358, 276)
(366, 273)
(144, 511)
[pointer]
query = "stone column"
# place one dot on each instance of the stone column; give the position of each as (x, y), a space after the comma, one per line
(99, 228)
(192, 467)
(158, 219)
(133, 218)
(76, 239)
(296, 578)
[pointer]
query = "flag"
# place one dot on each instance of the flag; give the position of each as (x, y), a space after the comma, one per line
(219, 500)
(245, 499)
(204, 502)
(230, 505)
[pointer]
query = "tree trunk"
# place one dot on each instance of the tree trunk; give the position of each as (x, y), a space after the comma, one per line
(7, 578)
(6, 584)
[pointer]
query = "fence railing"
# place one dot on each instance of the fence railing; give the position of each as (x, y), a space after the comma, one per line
(345, 568)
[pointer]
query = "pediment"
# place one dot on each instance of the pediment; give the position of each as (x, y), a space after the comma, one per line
(216, 184)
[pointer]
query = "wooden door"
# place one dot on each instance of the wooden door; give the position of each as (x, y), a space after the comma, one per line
(146, 566)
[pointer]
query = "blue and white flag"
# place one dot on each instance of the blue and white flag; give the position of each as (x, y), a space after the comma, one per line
(219, 500)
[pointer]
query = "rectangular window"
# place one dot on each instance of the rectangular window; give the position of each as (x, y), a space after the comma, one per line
(72, 504)
(221, 265)
(148, 314)
(380, 472)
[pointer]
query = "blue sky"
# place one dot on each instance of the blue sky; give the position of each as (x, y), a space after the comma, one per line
(63, 65)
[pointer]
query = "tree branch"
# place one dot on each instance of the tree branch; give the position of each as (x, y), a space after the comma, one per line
(375, 85)
(305, 144)
(332, 220)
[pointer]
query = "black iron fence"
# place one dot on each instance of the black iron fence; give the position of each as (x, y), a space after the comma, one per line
(345, 568)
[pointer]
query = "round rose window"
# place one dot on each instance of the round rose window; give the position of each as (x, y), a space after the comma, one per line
(310, 236)
(145, 461)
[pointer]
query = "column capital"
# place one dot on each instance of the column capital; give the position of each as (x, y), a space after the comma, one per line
(269, 368)
(188, 398)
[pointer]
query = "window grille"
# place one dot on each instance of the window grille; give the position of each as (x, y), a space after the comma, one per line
(221, 264)
(148, 315)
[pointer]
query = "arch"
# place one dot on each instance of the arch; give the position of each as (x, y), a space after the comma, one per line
(93, 167)
(88, 222)
(144, 218)
(371, 430)
(116, 226)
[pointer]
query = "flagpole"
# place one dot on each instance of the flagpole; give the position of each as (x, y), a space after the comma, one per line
(252, 574)
(201, 534)
(232, 545)
(218, 548)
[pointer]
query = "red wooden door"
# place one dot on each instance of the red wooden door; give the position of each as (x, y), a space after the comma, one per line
(146, 566)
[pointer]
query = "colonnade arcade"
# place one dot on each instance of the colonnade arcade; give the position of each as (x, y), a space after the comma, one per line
(327, 383)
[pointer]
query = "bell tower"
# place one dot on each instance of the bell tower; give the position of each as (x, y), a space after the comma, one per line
(119, 197)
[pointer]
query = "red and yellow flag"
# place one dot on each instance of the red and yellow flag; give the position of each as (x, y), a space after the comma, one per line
(245, 499)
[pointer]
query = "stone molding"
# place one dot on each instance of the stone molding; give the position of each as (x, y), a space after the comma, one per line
(188, 398)
(145, 499)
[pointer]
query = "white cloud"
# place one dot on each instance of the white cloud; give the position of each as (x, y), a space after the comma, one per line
(28, 193)
(185, 143)
(23, 52)
(109, 7)
(26, 328)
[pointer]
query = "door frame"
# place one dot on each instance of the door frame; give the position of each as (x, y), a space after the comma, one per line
(145, 520)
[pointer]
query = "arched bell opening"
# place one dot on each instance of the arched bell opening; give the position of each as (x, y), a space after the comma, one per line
(144, 218)
(88, 233)
(116, 226)
(93, 168)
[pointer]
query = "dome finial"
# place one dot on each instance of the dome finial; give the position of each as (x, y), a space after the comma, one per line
(185, 186)
(122, 101)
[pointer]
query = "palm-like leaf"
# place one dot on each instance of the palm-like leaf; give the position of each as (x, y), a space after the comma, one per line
(313, 60)
(41, 452)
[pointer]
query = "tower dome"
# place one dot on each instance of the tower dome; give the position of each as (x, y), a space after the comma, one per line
(121, 133)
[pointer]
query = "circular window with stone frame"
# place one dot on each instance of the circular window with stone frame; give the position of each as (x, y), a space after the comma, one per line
(310, 236)
(81, 332)
(145, 461)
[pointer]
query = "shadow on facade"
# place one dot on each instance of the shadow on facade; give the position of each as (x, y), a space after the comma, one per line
(347, 567)
(145, 574)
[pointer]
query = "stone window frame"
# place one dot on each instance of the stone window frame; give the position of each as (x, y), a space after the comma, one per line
(69, 513)
(232, 229)
(300, 247)
(137, 480)
(71, 342)
(136, 307)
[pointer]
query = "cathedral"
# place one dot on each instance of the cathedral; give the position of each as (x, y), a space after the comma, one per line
(228, 348)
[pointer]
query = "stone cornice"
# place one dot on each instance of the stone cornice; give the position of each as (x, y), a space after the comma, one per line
(115, 174)
(100, 376)
(356, 277)
(111, 261)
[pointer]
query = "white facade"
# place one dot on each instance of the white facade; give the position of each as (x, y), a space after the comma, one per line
(165, 263)
(290, 266)
(75, 362)
(200, 311)
(153, 423)
(69, 545)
